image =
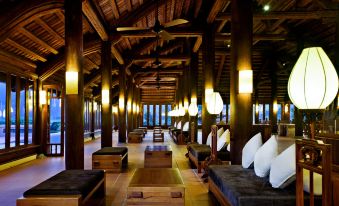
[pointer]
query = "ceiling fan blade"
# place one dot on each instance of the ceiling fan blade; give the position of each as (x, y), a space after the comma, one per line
(131, 28)
(165, 35)
(175, 22)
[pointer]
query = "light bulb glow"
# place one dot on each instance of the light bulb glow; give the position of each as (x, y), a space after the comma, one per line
(215, 105)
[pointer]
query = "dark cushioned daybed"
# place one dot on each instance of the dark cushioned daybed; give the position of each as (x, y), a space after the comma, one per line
(241, 187)
(111, 159)
(199, 152)
(75, 187)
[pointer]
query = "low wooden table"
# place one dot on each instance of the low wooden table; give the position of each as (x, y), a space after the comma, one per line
(156, 186)
(158, 136)
(158, 156)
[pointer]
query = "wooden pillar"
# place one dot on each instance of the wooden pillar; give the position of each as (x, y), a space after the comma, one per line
(8, 112)
(74, 108)
(241, 59)
(92, 127)
(129, 105)
(106, 84)
(193, 77)
(256, 107)
(274, 98)
(122, 105)
(208, 55)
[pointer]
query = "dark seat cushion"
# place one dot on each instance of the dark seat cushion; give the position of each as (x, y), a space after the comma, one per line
(68, 182)
(201, 151)
(243, 188)
(111, 151)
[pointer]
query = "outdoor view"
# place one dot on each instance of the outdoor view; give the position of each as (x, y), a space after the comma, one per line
(2, 109)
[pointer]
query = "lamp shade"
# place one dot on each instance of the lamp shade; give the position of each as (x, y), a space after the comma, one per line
(181, 111)
(215, 104)
(313, 83)
(71, 82)
(43, 97)
(193, 109)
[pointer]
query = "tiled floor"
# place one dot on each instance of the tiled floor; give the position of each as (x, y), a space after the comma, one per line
(14, 181)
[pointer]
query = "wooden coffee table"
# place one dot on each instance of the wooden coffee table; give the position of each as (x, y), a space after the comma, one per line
(158, 156)
(156, 186)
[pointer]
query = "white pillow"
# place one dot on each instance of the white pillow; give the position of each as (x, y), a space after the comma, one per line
(175, 124)
(179, 125)
(224, 138)
(264, 157)
(209, 137)
(250, 149)
(185, 127)
(283, 168)
(317, 182)
(229, 147)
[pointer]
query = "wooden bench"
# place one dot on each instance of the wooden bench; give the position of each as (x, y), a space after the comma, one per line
(69, 187)
(140, 131)
(158, 156)
(135, 137)
(110, 159)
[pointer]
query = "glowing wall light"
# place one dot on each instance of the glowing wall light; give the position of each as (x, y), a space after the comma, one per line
(245, 81)
(286, 108)
(42, 97)
(138, 109)
(129, 105)
(115, 109)
(134, 108)
(275, 106)
(208, 92)
(313, 83)
(71, 82)
(105, 96)
(181, 111)
(186, 105)
(121, 103)
(215, 104)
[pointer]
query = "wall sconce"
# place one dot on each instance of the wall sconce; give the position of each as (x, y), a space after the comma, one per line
(256, 108)
(138, 109)
(193, 109)
(275, 107)
(42, 97)
(129, 106)
(215, 105)
(121, 103)
(186, 105)
(71, 82)
(134, 108)
(245, 81)
(105, 96)
(181, 111)
(286, 108)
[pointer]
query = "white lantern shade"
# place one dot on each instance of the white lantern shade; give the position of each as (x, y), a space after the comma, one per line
(43, 97)
(181, 111)
(193, 109)
(313, 83)
(245, 81)
(215, 104)
(105, 96)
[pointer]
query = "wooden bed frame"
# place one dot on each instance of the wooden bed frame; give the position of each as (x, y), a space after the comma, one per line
(93, 198)
(194, 160)
(217, 193)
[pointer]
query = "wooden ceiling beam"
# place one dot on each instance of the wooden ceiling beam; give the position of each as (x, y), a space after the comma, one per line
(114, 6)
(197, 7)
(37, 40)
(93, 18)
(259, 37)
(116, 54)
(286, 15)
(25, 50)
(16, 58)
(197, 44)
(50, 30)
(162, 58)
(184, 32)
(218, 5)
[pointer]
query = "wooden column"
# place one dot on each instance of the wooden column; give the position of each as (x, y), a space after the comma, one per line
(241, 59)
(37, 139)
(92, 127)
(8, 111)
(106, 84)
(129, 105)
(208, 55)
(274, 99)
(256, 120)
(74, 108)
(122, 105)
(193, 85)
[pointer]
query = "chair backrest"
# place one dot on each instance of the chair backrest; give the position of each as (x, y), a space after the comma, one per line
(315, 157)
(185, 128)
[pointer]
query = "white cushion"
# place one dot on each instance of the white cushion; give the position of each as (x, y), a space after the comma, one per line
(250, 149)
(175, 124)
(224, 138)
(317, 182)
(264, 157)
(229, 147)
(185, 127)
(283, 168)
(209, 137)
(179, 125)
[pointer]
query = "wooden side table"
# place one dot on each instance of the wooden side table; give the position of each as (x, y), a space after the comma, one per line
(156, 186)
(158, 156)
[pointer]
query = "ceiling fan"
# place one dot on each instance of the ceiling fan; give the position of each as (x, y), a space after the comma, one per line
(158, 28)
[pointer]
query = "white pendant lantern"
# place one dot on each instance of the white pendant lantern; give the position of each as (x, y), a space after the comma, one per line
(181, 111)
(193, 109)
(215, 103)
(313, 83)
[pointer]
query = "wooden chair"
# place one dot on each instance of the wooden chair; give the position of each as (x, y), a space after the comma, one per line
(315, 157)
